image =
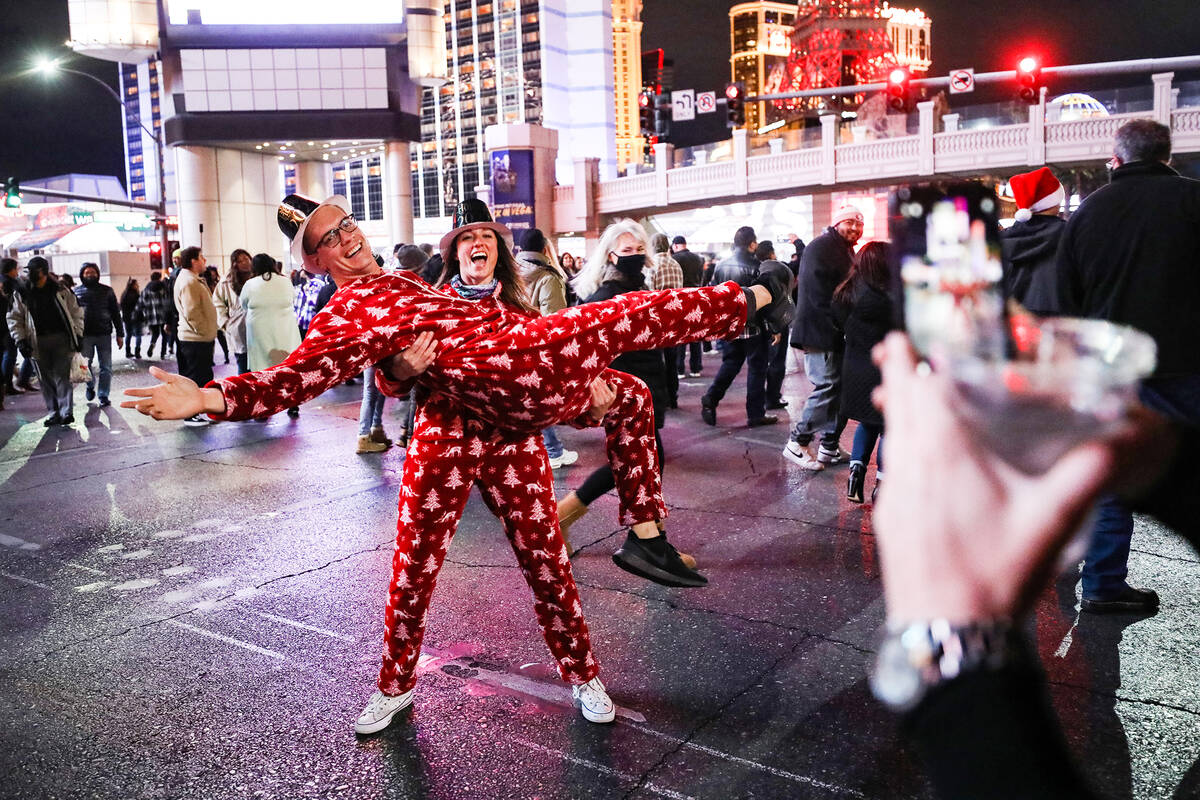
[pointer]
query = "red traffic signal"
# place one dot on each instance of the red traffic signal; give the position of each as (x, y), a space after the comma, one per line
(735, 104)
(646, 113)
(898, 89)
(1029, 80)
(156, 256)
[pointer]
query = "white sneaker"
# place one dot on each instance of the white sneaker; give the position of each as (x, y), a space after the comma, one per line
(594, 702)
(196, 420)
(380, 710)
(834, 456)
(798, 454)
(567, 458)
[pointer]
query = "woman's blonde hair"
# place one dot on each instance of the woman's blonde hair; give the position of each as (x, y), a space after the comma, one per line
(597, 269)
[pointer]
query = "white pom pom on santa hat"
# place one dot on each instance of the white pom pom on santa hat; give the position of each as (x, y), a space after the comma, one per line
(1035, 191)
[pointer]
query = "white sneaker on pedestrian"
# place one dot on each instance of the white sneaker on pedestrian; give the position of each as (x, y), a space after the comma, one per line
(567, 458)
(798, 454)
(834, 456)
(196, 420)
(594, 702)
(380, 710)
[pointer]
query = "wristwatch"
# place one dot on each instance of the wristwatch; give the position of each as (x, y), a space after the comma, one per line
(917, 656)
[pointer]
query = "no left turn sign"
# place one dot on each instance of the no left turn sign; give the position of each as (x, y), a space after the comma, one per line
(962, 80)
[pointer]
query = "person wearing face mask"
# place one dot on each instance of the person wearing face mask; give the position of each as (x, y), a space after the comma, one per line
(101, 314)
(616, 268)
(47, 323)
(231, 317)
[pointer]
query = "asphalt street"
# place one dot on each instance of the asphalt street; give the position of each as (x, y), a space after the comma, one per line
(196, 613)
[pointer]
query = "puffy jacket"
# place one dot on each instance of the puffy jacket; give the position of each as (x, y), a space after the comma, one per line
(825, 264)
(20, 320)
(546, 286)
(1028, 251)
(101, 312)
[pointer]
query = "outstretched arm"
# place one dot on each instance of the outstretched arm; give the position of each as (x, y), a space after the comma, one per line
(176, 397)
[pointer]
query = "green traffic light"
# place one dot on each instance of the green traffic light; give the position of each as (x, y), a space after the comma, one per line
(12, 193)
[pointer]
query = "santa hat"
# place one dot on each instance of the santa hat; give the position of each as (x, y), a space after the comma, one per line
(844, 213)
(1035, 191)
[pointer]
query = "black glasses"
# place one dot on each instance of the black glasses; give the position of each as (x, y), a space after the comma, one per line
(334, 237)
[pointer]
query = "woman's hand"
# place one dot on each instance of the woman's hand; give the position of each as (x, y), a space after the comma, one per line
(176, 397)
(603, 396)
(413, 360)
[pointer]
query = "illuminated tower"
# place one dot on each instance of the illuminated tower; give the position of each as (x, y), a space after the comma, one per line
(759, 39)
(627, 78)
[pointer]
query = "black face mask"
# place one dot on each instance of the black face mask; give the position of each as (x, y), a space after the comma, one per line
(631, 265)
(90, 280)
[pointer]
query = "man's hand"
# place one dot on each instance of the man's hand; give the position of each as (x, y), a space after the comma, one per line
(603, 396)
(413, 360)
(176, 397)
(963, 536)
(120, 342)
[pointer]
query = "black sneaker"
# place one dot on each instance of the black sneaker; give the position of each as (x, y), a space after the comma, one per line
(775, 405)
(708, 411)
(52, 420)
(656, 560)
(856, 483)
(69, 419)
(777, 279)
(105, 402)
(91, 393)
(765, 419)
(1126, 600)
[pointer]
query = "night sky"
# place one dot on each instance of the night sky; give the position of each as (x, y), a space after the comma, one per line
(72, 125)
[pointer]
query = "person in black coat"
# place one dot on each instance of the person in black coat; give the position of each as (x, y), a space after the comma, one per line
(101, 315)
(1029, 248)
(863, 306)
(693, 275)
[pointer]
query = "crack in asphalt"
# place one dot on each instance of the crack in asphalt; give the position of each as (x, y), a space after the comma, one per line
(704, 722)
(235, 464)
(1123, 698)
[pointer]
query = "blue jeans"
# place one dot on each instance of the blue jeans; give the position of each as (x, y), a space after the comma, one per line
(370, 413)
(820, 415)
(99, 348)
(864, 442)
(691, 353)
(243, 362)
(777, 355)
(752, 352)
(1106, 562)
(554, 447)
(8, 360)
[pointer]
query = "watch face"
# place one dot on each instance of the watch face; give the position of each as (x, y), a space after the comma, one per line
(895, 682)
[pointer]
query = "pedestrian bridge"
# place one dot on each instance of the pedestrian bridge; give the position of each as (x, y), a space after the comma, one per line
(938, 150)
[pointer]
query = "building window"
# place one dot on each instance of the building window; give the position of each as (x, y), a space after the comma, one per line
(375, 188)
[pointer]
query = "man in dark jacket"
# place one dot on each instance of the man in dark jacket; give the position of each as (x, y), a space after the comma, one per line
(101, 314)
(1130, 255)
(742, 268)
(1028, 249)
(693, 275)
(824, 264)
(777, 345)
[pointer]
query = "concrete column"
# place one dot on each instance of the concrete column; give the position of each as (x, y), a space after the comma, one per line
(1163, 97)
(741, 150)
(1037, 132)
(950, 122)
(925, 138)
(313, 179)
(583, 199)
(822, 213)
(544, 144)
(199, 197)
(664, 158)
(829, 130)
(397, 190)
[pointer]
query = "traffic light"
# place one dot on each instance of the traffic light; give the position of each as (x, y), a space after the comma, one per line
(735, 104)
(12, 193)
(662, 116)
(156, 256)
(1029, 80)
(898, 97)
(646, 113)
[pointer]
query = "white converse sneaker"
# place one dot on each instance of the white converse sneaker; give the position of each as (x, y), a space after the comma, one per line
(798, 454)
(567, 458)
(380, 710)
(594, 702)
(833, 456)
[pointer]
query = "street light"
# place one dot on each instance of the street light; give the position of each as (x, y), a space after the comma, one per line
(50, 66)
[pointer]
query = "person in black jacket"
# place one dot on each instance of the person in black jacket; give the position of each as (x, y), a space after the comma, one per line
(101, 314)
(750, 348)
(131, 318)
(777, 344)
(616, 268)
(824, 264)
(864, 309)
(693, 275)
(962, 568)
(1130, 255)
(1028, 248)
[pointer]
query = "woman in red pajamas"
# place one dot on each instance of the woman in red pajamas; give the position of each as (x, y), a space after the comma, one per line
(510, 370)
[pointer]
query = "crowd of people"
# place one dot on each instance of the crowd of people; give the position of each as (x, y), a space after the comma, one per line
(492, 343)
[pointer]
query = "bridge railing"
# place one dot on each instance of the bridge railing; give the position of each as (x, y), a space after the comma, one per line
(928, 154)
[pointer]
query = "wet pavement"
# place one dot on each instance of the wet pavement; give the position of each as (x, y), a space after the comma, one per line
(196, 613)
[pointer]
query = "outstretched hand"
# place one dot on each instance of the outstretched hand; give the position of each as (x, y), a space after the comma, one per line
(962, 534)
(176, 397)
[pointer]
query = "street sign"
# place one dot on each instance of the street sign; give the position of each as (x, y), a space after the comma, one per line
(706, 102)
(683, 104)
(962, 81)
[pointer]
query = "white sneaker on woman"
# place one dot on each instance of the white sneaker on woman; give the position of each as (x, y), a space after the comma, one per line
(594, 702)
(380, 710)
(567, 458)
